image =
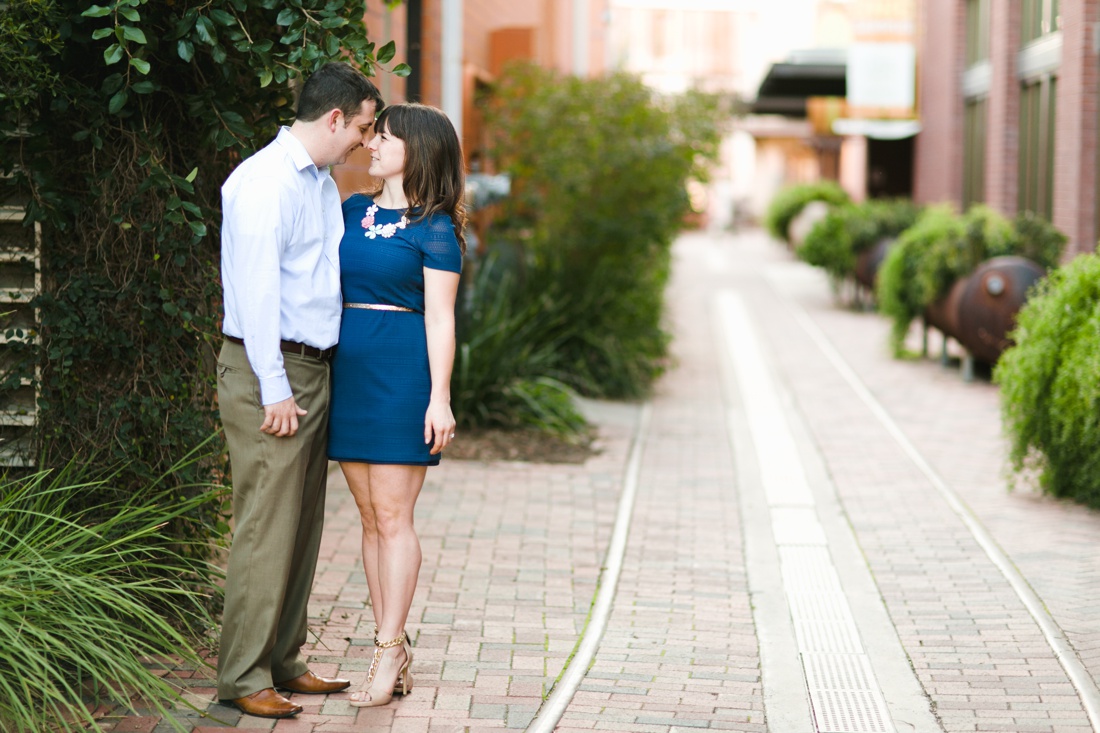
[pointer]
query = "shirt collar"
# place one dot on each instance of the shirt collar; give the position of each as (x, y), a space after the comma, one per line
(298, 152)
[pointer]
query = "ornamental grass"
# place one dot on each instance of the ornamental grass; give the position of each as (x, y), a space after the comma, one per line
(90, 596)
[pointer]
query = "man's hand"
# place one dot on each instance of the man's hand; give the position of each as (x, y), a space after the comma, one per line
(281, 418)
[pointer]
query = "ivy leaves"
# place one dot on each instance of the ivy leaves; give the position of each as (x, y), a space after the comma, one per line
(274, 40)
(125, 13)
(119, 120)
(27, 40)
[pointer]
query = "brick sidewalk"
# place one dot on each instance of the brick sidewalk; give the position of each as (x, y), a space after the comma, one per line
(512, 555)
(680, 650)
(977, 652)
(513, 551)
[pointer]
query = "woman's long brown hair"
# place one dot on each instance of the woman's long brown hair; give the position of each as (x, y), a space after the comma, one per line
(434, 179)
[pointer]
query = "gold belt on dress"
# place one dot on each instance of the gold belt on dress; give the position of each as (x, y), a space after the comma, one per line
(379, 307)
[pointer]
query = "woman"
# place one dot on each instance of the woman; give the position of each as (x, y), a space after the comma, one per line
(391, 418)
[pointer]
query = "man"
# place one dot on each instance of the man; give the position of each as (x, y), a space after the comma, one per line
(281, 230)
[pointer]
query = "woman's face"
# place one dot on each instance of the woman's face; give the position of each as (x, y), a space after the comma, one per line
(387, 155)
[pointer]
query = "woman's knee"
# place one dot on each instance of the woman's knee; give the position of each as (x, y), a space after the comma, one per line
(392, 519)
(366, 512)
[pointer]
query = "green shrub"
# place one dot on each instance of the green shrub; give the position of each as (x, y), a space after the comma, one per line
(943, 247)
(883, 218)
(506, 367)
(1038, 240)
(1050, 393)
(985, 233)
(828, 244)
(899, 289)
(599, 170)
(789, 202)
(835, 242)
(88, 594)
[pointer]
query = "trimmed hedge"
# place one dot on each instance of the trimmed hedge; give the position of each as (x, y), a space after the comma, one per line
(1050, 383)
(901, 296)
(789, 202)
(942, 247)
(847, 230)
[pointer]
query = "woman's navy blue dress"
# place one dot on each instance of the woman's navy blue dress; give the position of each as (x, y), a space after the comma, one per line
(381, 382)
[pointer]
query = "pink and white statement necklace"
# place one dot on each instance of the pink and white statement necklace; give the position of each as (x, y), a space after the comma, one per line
(381, 230)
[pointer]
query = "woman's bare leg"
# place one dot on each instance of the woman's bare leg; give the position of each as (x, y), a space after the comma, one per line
(358, 478)
(386, 496)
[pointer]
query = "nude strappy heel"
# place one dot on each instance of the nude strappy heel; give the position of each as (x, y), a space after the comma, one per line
(408, 652)
(402, 683)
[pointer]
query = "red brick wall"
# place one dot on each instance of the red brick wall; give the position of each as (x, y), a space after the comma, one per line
(938, 154)
(1075, 128)
(1003, 121)
(382, 25)
(482, 17)
(552, 22)
(389, 25)
(431, 53)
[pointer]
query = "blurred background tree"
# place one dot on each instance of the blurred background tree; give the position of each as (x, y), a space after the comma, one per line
(599, 170)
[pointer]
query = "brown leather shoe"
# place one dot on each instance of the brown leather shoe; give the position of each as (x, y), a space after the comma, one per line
(311, 684)
(267, 704)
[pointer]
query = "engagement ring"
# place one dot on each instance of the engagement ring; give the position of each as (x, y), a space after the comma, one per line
(452, 435)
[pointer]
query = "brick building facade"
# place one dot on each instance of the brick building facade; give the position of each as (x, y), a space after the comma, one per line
(569, 37)
(1008, 99)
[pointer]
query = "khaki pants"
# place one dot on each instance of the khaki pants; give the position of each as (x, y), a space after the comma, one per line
(278, 509)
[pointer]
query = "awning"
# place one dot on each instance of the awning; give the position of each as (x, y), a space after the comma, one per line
(815, 73)
(877, 129)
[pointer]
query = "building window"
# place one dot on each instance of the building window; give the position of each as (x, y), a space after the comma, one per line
(974, 152)
(1039, 18)
(660, 34)
(1037, 110)
(977, 31)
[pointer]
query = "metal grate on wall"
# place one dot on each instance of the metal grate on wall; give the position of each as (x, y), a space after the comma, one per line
(20, 282)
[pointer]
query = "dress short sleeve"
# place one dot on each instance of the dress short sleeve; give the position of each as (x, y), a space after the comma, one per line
(352, 202)
(440, 245)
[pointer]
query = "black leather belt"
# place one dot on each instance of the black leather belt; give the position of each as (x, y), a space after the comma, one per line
(293, 347)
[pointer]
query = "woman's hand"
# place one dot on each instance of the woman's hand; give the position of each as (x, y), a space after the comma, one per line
(439, 425)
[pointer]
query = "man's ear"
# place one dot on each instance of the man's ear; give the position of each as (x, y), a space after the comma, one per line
(334, 118)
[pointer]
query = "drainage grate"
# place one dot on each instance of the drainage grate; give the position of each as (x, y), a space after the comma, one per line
(838, 672)
(850, 711)
(825, 636)
(808, 570)
(843, 693)
(823, 606)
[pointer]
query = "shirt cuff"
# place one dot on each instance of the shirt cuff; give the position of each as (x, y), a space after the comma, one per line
(275, 389)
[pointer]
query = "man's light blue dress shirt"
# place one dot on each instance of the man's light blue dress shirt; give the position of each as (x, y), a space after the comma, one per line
(281, 231)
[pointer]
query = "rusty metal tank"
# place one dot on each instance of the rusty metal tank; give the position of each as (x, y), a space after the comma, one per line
(988, 304)
(944, 313)
(870, 260)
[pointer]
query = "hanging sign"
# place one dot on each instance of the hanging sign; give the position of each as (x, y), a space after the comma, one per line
(881, 73)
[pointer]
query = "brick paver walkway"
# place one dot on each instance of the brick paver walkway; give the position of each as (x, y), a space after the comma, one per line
(513, 551)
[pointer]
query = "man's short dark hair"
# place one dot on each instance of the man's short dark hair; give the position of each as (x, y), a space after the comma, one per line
(339, 86)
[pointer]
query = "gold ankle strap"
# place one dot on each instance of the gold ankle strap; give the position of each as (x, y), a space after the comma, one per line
(391, 643)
